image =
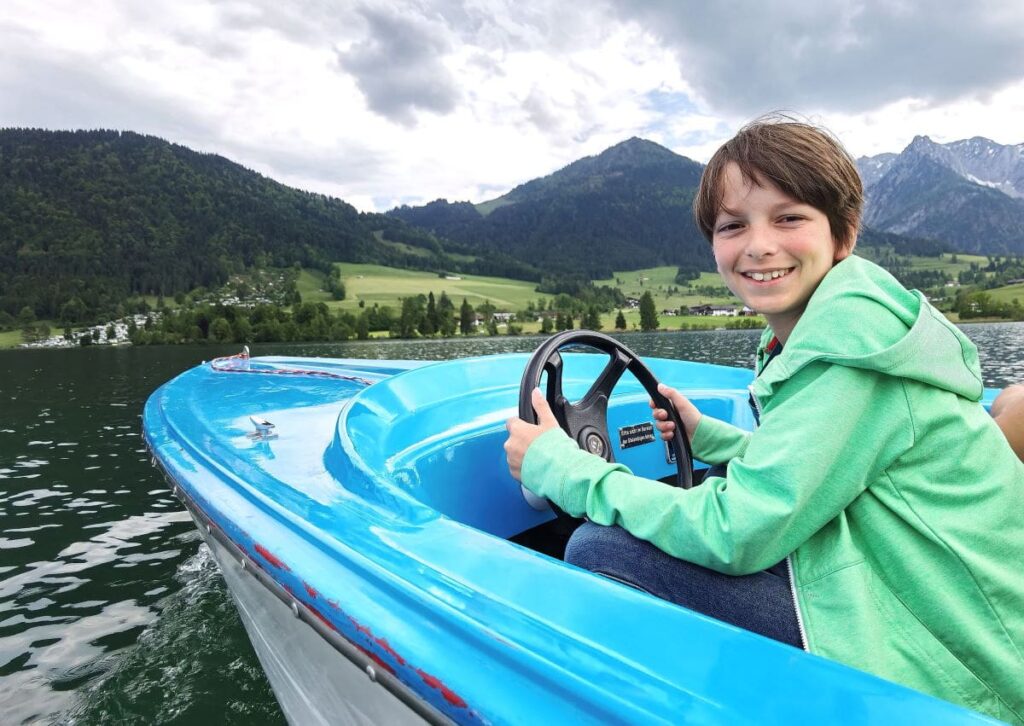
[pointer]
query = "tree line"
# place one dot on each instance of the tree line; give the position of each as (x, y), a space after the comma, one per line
(418, 316)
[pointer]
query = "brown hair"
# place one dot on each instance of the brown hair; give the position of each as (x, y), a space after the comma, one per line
(804, 161)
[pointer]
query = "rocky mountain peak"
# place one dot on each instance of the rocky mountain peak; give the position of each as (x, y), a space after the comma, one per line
(977, 160)
(968, 193)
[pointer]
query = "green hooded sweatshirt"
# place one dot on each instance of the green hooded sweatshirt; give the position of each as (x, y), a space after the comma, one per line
(876, 471)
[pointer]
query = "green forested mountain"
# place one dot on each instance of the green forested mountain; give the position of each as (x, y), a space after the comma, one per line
(89, 218)
(626, 208)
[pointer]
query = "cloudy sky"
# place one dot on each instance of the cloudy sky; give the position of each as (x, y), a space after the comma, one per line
(382, 103)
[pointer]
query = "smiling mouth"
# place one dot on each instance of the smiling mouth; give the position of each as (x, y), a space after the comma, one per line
(767, 275)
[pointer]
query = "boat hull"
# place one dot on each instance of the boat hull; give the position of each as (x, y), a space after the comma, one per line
(314, 681)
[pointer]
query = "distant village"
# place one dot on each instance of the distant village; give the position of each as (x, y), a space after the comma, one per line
(113, 333)
(729, 311)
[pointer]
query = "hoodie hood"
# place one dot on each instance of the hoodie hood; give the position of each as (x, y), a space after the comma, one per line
(862, 317)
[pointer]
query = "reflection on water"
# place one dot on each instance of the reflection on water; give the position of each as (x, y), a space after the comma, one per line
(92, 547)
(110, 610)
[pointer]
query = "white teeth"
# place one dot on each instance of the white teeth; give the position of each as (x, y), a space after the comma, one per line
(761, 276)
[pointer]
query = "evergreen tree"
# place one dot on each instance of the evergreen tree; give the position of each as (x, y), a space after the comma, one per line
(27, 322)
(363, 326)
(446, 316)
(620, 321)
(409, 324)
(334, 284)
(545, 324)
(648, 313)
(592, 320)
(466, 313)
(433, 322)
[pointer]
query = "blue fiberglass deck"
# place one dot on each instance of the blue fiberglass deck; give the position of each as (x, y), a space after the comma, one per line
(381, 513)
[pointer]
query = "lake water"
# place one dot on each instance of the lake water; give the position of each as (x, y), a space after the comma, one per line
(110, 611)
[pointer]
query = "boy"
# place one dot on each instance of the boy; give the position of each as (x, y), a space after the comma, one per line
(876, 515)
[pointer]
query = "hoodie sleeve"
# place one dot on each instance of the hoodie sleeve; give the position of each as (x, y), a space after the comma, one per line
(825, 434)
(716, 442)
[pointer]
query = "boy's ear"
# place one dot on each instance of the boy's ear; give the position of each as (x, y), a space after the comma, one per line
(845, 247)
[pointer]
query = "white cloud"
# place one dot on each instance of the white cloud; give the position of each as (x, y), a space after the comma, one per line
(407, 101)
(998, 116)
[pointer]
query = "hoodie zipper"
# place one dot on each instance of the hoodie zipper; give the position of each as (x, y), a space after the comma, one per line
(757, 403)
(796, 604)
(789, 558)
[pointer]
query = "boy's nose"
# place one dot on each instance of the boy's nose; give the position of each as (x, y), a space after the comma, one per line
(760, 243)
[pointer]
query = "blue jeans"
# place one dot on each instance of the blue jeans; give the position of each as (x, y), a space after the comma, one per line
(762, 602)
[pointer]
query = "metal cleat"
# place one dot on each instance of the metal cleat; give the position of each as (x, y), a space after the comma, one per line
(264, 429)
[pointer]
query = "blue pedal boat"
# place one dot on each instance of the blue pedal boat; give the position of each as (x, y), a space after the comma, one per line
(388, 569)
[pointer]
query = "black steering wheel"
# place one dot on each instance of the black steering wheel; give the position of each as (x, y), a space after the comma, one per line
(586, 421)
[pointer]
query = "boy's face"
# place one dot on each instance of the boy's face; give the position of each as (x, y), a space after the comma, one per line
(772, 251)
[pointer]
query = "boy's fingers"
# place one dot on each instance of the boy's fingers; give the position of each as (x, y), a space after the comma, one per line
(545, 416)
(668, 392)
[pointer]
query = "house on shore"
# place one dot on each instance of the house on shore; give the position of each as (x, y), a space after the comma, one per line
(714, 310)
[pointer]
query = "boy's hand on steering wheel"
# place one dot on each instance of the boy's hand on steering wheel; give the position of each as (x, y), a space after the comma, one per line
(688, 414)
(522, 434)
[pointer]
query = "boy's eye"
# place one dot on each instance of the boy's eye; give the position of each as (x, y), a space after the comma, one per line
(790, 218)
(728, 227)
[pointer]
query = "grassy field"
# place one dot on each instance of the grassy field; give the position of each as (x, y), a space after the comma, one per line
(1008, 293)
(13, 338)
(658, 280)
(10, 339)
(944, 263)
(387, 285)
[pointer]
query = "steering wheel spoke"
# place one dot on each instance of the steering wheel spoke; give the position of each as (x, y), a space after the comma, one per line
(553, 367)
(606, 380)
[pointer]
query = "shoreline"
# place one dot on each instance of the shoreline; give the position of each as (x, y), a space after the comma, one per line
(381, 338)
